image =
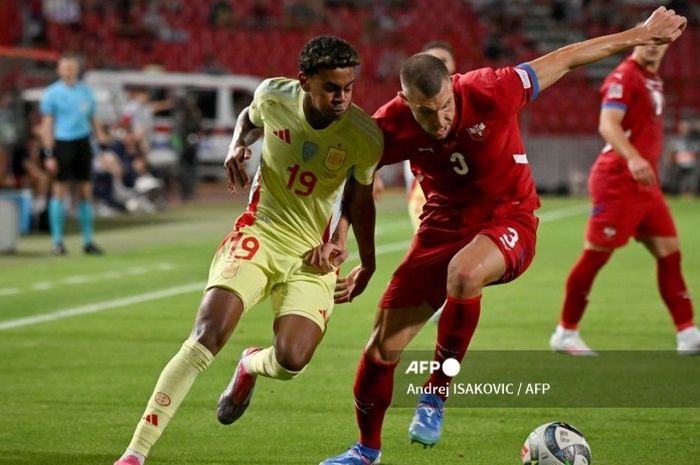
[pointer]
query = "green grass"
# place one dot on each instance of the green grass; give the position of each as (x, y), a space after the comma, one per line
(73, 389)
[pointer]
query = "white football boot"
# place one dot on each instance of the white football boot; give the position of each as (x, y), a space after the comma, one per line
(688, 341)
(569, 341)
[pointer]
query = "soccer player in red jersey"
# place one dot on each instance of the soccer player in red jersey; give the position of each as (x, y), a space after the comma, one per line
(478, 226)
(627, 200)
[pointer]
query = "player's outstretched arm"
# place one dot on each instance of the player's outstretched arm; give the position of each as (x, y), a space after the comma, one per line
(360, 211)
(244, 135)
(663, 26)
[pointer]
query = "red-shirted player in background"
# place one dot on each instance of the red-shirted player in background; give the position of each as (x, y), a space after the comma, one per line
(627, 200)
(478, 226)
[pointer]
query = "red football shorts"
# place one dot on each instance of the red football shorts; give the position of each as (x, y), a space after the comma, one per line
(614, 221)
(422, 275)
(622, 208)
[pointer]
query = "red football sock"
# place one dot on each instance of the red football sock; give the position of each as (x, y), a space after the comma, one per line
(374, 383)
(455, 330)
(673, 290)
(579, 284)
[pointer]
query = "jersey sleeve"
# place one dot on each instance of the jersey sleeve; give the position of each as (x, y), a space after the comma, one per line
(391, 153)
(506, 90)
(364, 169)
(618, 90)
(390, 126)
(256, 109)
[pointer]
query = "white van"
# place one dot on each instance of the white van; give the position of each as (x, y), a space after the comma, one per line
(220, 99)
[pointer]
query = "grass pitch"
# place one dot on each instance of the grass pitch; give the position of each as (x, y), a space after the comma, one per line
(83, 340)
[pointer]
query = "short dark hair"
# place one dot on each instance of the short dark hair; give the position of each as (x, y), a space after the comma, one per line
(441, 44)
(327, 52)
(70, 56)
(425, 73)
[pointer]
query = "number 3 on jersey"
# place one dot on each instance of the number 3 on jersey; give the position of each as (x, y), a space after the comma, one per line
(460, 164)
(307, 181)
(509, 240)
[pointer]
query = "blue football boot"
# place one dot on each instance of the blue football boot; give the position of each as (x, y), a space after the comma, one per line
(356, 455)
(426, 426)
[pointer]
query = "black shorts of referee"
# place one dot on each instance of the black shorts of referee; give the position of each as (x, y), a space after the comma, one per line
(74, 159)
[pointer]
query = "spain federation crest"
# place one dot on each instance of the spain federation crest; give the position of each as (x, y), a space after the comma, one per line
(334, 158)
(230, 269)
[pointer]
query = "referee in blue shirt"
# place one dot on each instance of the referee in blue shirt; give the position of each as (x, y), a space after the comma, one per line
(68, 118)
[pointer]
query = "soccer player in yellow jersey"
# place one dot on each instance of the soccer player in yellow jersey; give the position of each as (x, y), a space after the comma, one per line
(315, 141)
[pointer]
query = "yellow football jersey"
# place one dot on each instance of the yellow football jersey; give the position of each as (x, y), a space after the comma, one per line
(303, 170)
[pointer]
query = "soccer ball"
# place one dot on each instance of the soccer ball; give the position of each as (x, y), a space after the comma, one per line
(556, 443)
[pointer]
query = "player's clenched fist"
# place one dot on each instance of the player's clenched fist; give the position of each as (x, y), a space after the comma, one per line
(236, 175)
(664, 26)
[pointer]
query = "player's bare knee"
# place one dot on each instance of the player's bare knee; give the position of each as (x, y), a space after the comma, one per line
(381, 352)
(293, 360)
(663, 247)
(212, 338)
(387, 355)
(463, 280)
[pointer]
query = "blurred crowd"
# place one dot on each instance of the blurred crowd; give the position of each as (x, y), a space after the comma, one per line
(227, 36)
(128, 34)
(124, 179)
(174, 21)
(683, 159)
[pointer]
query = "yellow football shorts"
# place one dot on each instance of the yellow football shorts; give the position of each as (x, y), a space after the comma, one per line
(255, 267)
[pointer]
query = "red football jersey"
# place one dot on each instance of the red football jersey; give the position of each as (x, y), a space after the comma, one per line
(480, 171)
(640, 94)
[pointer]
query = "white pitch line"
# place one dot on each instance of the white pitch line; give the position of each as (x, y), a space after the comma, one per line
(562, 213)
(84, 279)
(177, 290)
(394, 226)
(383, 249)
(42, 286)
(100, 306)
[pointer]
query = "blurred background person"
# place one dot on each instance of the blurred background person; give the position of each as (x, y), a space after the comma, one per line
(188, 124)
(68, 109)
(28, 167)
(685, 175)
(628, 201)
